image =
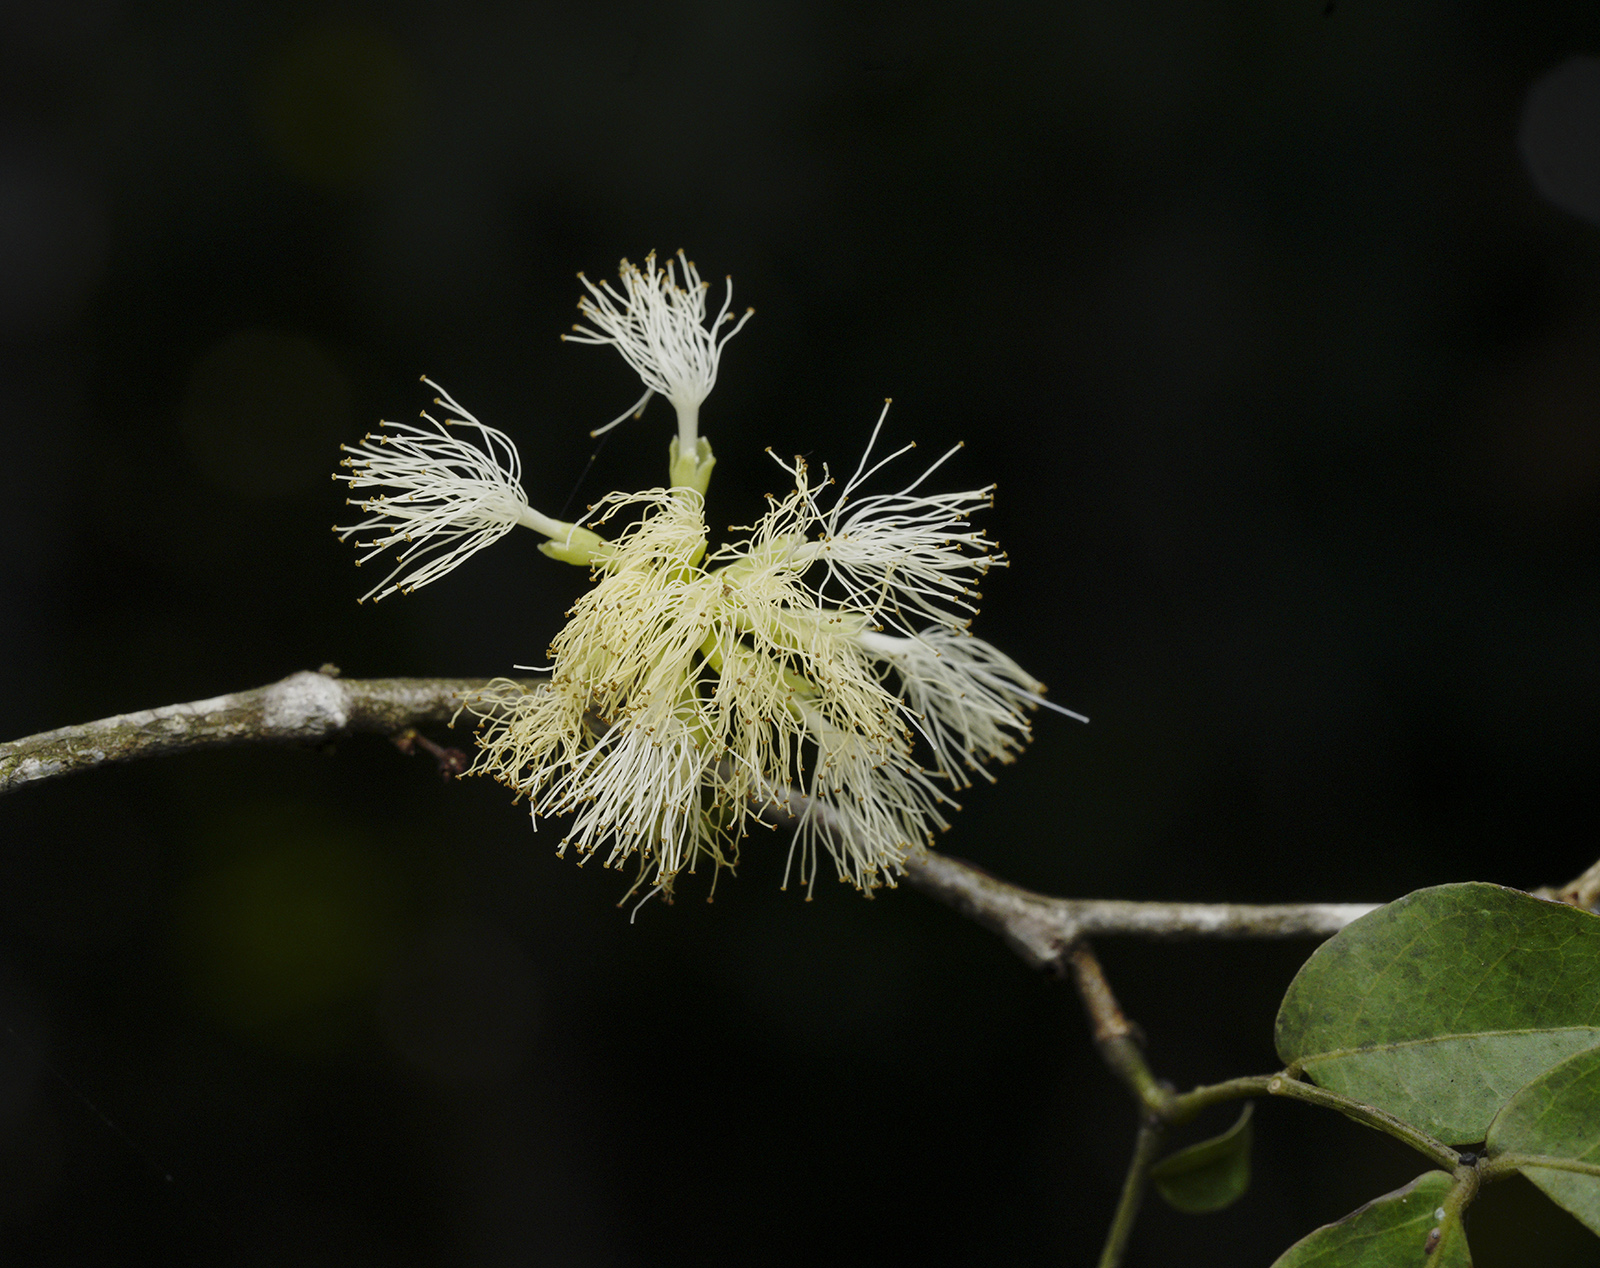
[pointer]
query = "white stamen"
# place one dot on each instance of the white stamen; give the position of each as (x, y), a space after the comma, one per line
(452, 497)
(966, 697)
(660, 329)
(903, 557)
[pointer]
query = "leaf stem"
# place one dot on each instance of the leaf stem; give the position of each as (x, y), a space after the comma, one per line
(1502, 1165)
(1435, 1150)
(1187, 1105)
(1117, 1040)
(1145, 1147)
(1468, 1179)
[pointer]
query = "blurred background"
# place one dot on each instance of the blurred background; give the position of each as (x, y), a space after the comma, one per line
(1278, 325)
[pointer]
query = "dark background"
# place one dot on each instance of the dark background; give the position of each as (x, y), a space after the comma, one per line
(1287, 366)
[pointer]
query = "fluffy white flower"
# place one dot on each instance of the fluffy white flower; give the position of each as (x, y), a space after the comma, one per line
(452, 496)
(868, 805)
(659, 327)
(903, 557)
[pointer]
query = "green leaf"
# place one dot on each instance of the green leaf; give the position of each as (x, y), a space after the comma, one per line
(1558, 1116)
(1209, 1175)
(1440, 1006)
(1397, 1230)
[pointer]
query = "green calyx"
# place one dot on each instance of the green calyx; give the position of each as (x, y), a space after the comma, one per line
(577, 545)
(692, 471)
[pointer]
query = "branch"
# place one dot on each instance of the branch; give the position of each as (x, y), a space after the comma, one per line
(311, 707)
(1041, 929)
(301, 709)
(1121, 1043)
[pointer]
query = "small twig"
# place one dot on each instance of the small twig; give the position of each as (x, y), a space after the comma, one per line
(1120, 1041)
(1040, 928)
(1119, 1044)
(1107, 1021)
(452, 761)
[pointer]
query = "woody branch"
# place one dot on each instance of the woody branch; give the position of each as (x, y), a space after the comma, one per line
(315, 707)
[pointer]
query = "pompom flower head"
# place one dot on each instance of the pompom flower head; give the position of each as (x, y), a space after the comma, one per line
(659, 326)
(452, 497)
(817, 671)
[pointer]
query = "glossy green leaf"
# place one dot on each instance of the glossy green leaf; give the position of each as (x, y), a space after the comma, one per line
(1402, 1229)
(1440, 1006)
(1558, 1116)
(1209, 1175)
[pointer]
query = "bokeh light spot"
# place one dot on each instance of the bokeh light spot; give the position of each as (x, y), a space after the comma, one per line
(334, 102)
(290, 919)
(1560, 136)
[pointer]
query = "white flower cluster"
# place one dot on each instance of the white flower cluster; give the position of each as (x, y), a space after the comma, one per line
(694, 693)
